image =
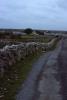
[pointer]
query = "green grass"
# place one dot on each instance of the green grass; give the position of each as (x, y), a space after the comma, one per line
(35, 38)
(32, 38)
(21, 69)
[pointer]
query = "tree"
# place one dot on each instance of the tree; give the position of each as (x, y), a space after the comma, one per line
(28, 31)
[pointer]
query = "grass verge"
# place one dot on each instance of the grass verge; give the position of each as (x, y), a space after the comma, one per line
(16, 76)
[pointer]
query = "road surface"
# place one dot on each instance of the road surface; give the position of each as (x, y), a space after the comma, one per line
(62, 61)
(27, 89)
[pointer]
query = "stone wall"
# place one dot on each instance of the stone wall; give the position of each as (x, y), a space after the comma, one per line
(9, 55)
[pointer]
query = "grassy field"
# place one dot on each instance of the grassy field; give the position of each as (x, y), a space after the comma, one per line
(36, 38)
(31, 38)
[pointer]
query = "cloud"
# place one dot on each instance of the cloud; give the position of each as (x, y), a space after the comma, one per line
(63, 4)
(43, 14)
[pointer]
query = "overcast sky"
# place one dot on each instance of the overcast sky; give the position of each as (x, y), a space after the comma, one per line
(39, 14)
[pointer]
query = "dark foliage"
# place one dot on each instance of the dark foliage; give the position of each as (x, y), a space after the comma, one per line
(28, 31)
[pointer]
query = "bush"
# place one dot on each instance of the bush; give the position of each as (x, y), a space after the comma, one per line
(28, 31)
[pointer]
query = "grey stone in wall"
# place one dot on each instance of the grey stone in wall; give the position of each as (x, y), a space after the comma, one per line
(9, 55)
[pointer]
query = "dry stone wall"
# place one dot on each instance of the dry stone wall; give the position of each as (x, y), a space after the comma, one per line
(9, 55)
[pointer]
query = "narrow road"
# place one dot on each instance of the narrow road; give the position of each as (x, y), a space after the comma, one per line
(62, 61)
(28, 88)
(48, 86)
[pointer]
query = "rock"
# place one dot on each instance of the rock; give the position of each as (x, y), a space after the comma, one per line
(1, 96)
